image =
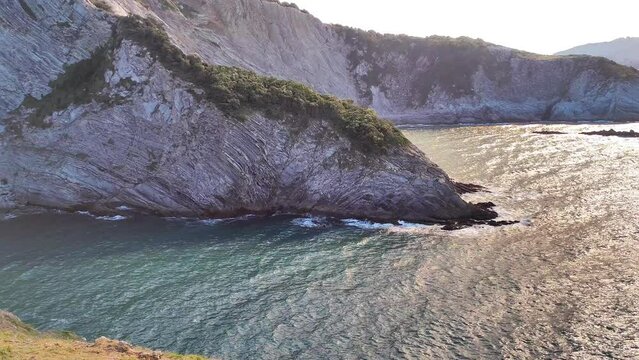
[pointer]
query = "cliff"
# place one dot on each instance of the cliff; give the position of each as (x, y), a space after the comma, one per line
(405, 79)
(20, 341)
(138, 124)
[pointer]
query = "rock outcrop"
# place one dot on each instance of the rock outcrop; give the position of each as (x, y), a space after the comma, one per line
(38, 38)
(405, 79)
(139, 125)
(611, 132)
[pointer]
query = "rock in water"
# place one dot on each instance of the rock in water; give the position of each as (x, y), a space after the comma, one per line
(611, 132)
(139, 124)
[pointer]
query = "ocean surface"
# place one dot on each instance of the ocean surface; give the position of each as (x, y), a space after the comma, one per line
(564, 283)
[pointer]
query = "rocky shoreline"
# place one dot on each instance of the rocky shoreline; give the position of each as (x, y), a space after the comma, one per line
(483, 213)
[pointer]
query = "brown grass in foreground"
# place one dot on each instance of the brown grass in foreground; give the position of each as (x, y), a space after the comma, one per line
(19, 341)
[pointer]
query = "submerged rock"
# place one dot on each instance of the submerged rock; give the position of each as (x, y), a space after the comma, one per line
(611, 132)
(489, 215)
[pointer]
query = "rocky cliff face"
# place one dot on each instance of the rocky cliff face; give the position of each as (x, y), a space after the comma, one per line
(92, 119)
(405, 79)
(136, 125)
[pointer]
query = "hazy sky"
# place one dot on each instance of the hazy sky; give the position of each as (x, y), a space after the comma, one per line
(542, 26)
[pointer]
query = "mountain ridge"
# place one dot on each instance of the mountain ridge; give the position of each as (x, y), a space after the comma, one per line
(622, 50)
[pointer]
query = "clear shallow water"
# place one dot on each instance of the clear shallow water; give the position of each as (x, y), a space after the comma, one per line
(562, 285)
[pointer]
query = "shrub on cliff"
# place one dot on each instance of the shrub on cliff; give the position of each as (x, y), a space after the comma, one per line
(288, 4)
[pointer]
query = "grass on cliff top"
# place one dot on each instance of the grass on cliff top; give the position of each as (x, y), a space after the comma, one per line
(16, 345)
(20, 341)
(237, 91)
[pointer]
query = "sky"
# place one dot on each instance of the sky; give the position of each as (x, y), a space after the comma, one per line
(542, 26)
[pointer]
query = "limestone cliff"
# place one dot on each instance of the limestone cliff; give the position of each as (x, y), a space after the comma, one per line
(405, 79)
(138, 124)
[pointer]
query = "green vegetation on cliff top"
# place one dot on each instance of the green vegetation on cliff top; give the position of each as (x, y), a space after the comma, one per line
(434, 61)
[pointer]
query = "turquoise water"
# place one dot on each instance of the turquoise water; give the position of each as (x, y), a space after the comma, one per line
(561, 284)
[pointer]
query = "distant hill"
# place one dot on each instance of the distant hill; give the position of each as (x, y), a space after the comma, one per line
(623, 51)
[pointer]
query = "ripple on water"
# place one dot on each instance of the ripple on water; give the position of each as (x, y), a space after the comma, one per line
(271, 288)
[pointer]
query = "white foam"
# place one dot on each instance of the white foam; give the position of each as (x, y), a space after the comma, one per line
(123, 208)
(9, 216)
(209, 221)
(408, 225)
(526, 222)
(367, 225)
(308, 222)
(112, 218)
